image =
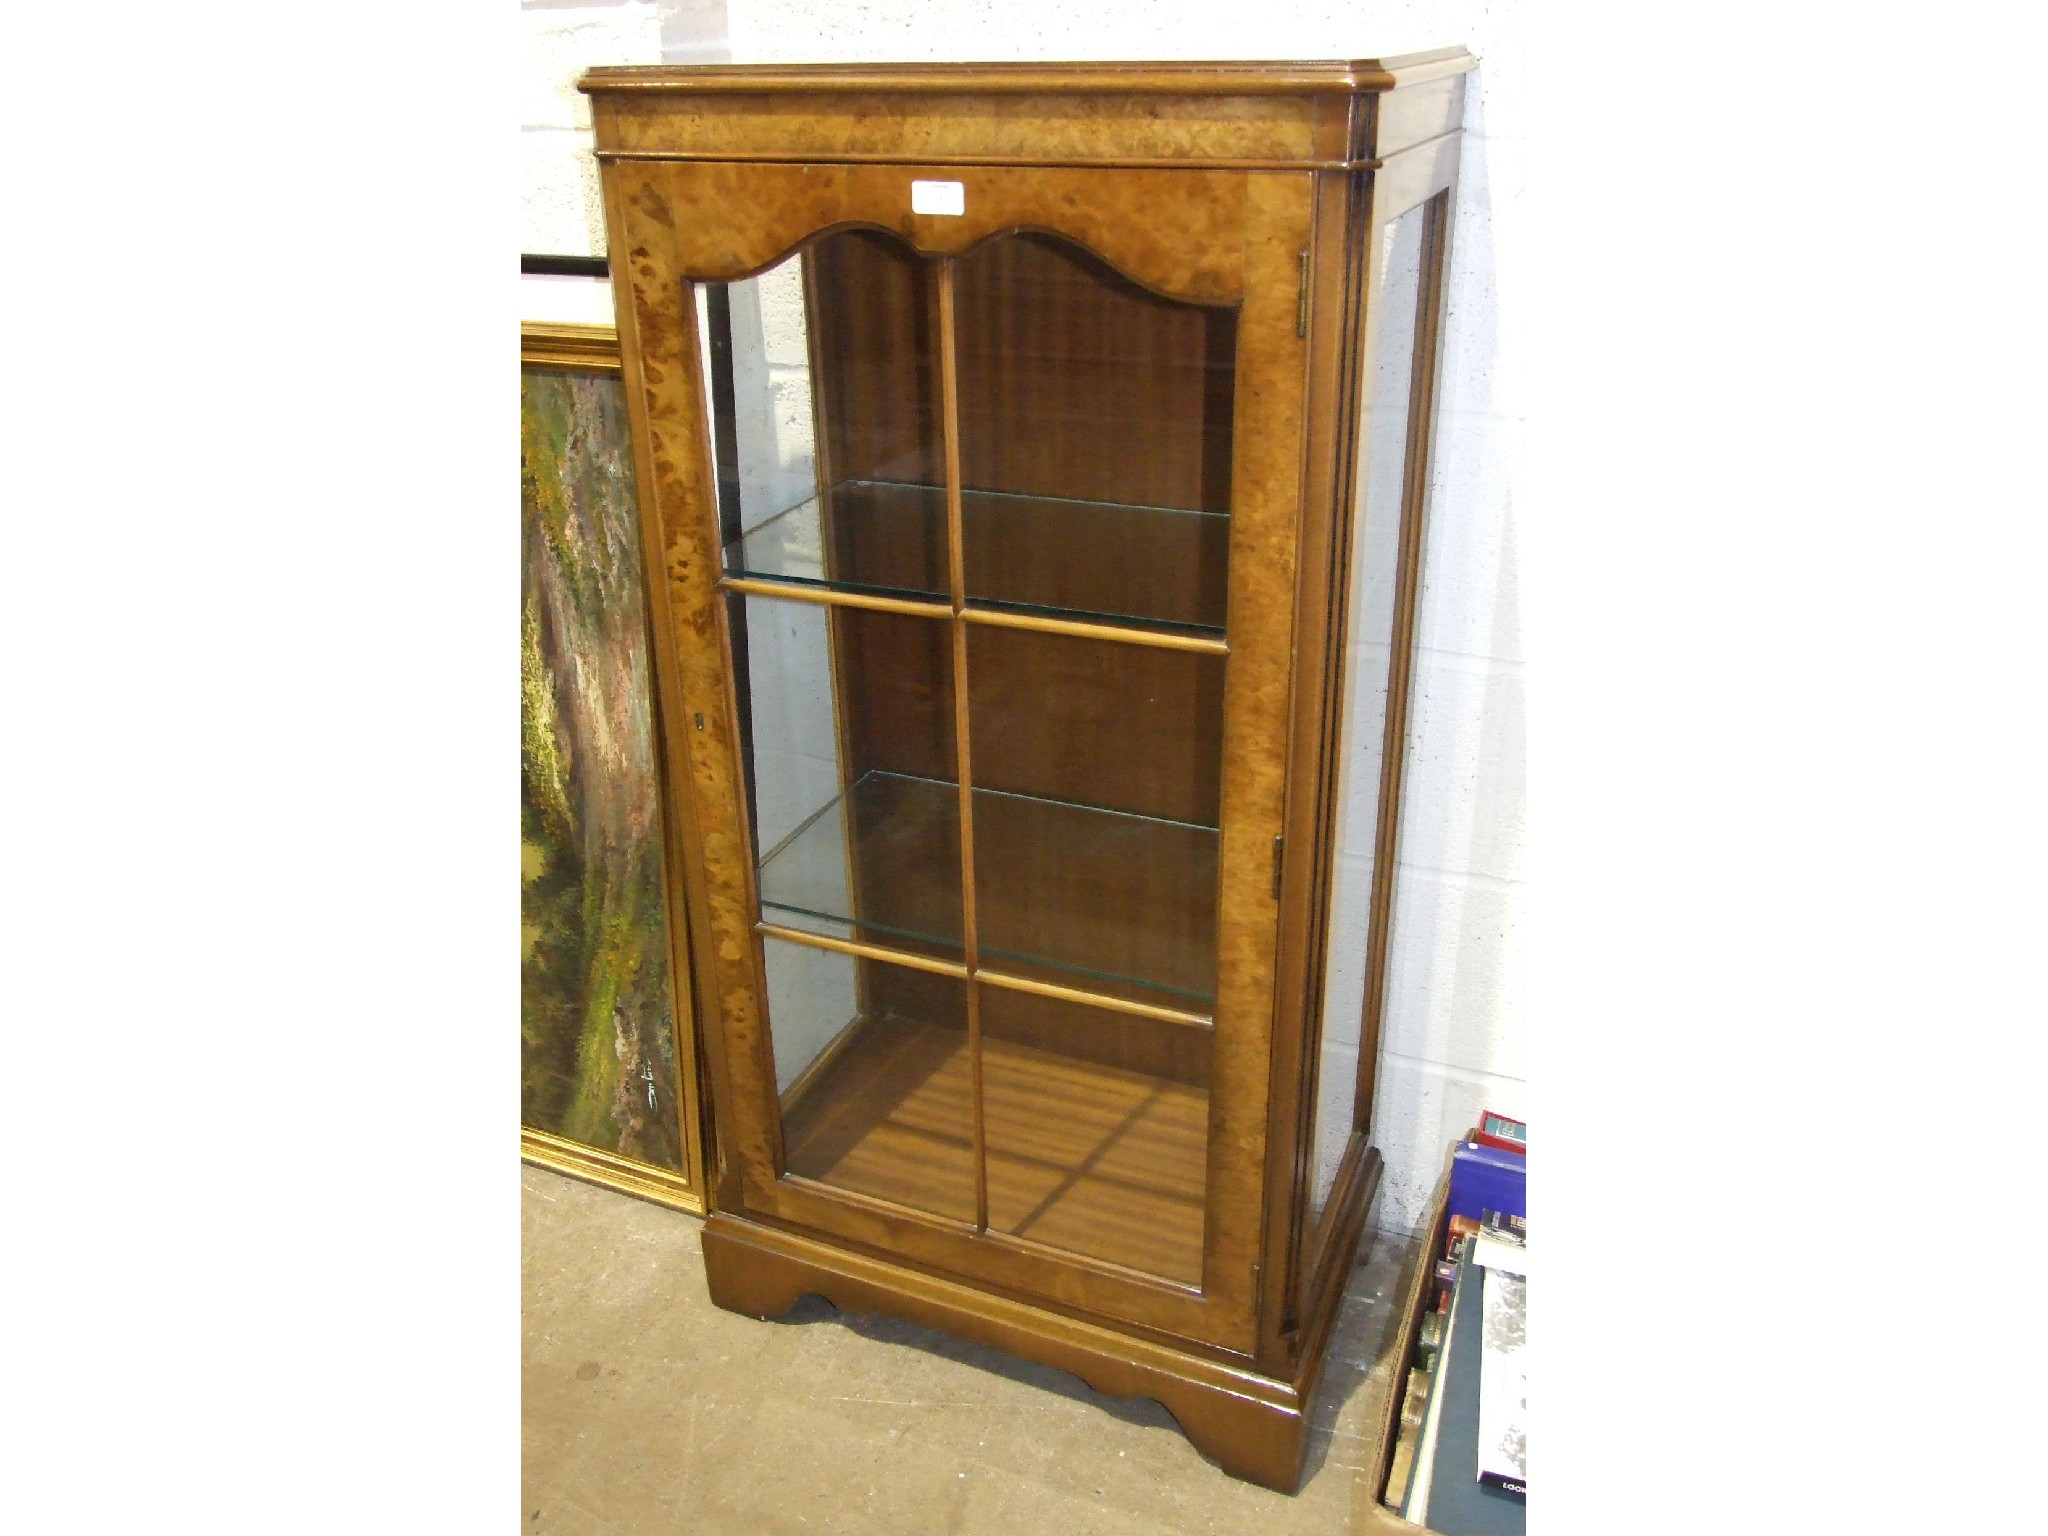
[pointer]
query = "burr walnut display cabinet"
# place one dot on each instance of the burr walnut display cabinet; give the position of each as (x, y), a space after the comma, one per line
(1033, 459)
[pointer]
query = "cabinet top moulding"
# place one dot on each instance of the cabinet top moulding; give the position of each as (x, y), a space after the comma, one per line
(1246, 115)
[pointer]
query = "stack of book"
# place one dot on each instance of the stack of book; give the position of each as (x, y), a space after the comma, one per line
(1468, 1473)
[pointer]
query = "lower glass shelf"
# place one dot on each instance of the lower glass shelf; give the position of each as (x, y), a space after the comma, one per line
(1088, 1158)
(1069, 894)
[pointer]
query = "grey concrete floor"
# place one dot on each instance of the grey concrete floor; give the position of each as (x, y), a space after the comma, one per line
(647, 1410)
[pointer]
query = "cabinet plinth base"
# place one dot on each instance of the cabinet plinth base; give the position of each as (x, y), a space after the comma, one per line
(1251, 1425)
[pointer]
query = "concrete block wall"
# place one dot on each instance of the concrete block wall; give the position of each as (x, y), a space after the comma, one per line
(1452, 1040)
(562, 211)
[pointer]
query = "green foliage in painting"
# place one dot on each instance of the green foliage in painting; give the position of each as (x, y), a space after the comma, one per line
(597, 1022)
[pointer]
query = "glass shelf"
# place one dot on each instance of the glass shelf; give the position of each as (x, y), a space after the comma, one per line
(1161, 567)
(878, 864)
(886, 538)
(1155, 566)
(1101, 901)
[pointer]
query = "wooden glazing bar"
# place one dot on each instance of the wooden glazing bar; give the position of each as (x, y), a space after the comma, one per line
(956, 566)
(863, 951)
(833, 597)
(1095, 999)
(949, 430)
(1123, 634)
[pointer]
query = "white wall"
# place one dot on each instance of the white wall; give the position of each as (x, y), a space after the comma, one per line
(561, 211)
(1453, 1035)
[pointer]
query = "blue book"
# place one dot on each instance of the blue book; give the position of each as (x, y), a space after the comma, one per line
(1488, 1179)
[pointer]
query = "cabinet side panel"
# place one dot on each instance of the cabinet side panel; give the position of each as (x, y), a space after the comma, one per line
(1372, 555)
(1417, 113)
(1436, 220)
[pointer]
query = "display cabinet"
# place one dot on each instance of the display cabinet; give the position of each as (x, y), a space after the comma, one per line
(1035, 460)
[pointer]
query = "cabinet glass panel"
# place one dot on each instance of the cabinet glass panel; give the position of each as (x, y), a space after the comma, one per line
(872, 1070)
(1095, 422)
(1097, 1128)
(1370, 581)
(1092, 421)
(833, 478)
(851, 769)
(1097, 770)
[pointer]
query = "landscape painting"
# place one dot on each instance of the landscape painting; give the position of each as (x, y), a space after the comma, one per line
(597, 1021)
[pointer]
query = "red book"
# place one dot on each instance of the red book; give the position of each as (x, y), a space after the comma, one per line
(1456, 1231)
(1499, 1131)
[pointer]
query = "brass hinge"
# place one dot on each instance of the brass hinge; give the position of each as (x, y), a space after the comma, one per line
(1301, 303)
(1279, 843)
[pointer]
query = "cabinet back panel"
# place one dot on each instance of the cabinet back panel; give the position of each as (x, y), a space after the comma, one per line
(1076, 382)
(875, 327)
(1175, 1052)
(1129, 728)
(896, 691)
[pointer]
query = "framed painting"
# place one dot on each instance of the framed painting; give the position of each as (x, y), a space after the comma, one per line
(608, 1061)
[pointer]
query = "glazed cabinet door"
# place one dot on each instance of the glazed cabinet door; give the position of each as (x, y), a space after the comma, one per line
(978, 491)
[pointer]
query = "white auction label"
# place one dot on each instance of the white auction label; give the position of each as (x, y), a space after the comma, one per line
(947, 197)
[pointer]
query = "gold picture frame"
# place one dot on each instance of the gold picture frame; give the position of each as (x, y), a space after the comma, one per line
(591, 349)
